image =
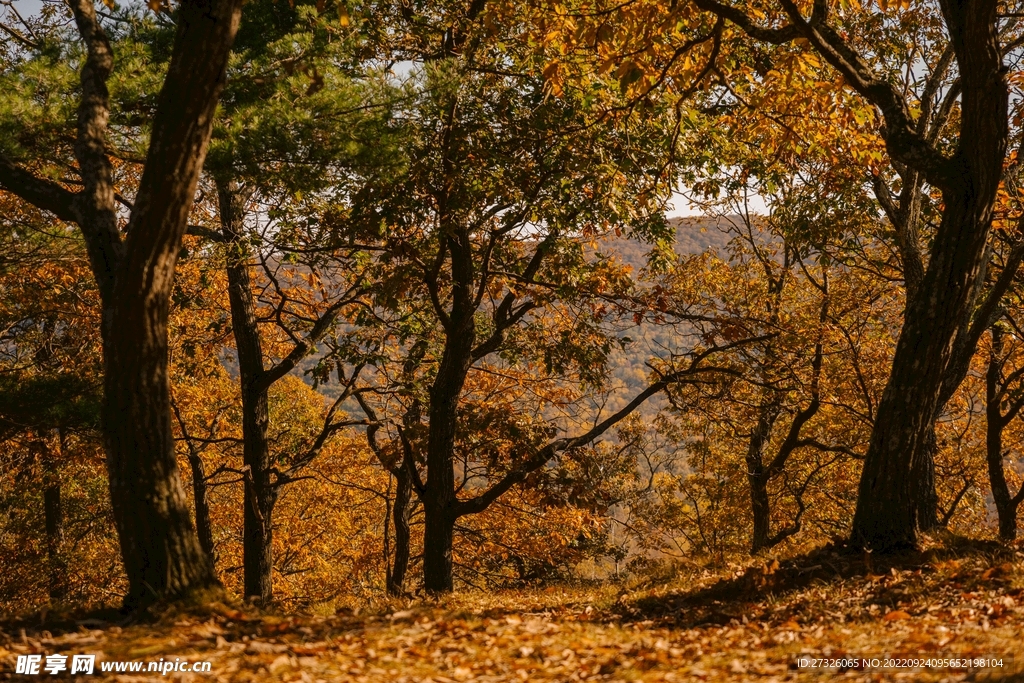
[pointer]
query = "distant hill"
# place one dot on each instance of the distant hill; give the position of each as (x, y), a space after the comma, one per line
(694, 235)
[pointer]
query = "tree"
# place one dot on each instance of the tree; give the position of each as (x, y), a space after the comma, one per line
(794, 406)
(135, 273)
(1003, 402)
(964, 168)
(297, 123)
(326, 525)
(968, 179)
(479, 259)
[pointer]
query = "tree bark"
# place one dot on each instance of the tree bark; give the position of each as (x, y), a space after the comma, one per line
(887, 507)
(204, 527)
(160, 549)
(886, 516)
(904, 215)
(401, 512)
(927, 498)
(887, 511)
(54, 521)
(996, 421)
(260, 493)
(760, 506)
(262, 481)
(439, 500)
(438, 539)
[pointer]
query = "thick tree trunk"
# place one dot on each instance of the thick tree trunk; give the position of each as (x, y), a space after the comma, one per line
(135, 275)
(886, 516)
(439, 499)
(159, 546)
(438, 539)
(161, 552)
(761, 509)
(260, 492)
(905, 217)
(887, 503)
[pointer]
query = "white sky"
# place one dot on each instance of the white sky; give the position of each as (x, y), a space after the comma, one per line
(28, 7)
(681, 207)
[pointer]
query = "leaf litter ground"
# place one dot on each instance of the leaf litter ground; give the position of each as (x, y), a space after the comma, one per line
(751, 623)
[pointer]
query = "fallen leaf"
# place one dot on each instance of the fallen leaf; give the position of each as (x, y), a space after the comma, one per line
(896, 615)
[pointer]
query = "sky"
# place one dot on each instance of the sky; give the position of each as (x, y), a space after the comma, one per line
(27, 7)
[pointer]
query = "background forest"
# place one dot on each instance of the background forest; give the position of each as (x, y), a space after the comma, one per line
(392, 287)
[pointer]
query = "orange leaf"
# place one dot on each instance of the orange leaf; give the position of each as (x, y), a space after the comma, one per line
(897, 615)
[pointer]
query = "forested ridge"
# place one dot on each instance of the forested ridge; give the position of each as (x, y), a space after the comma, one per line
(353, 341)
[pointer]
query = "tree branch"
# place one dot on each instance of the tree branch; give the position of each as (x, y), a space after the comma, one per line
(44, 194)
(902, 141)
(481, 502)
(304, 347)
(96, 202)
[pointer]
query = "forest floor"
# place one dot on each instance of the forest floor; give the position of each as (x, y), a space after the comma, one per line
(954, 600)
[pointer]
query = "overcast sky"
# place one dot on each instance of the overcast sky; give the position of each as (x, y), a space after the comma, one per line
(26, 7)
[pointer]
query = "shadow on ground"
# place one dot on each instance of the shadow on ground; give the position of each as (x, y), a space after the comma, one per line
(751, 594)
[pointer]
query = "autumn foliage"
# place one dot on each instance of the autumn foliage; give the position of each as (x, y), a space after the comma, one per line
(430, 328)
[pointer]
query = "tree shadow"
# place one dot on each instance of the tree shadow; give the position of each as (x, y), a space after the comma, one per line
(749, 595)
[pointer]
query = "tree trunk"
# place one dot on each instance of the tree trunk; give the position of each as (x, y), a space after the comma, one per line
(438, 538)
(401, 511)
(886, 516)
(54, 522)
(927, 498)
(135, 275)
(161, 552)
(439, 500)
(1006, 504)
(887, 502)
(202, 507)
(260, 492)
(760, 506)
(1005, 507)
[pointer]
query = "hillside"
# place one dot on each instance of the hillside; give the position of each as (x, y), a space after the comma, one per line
(952, 613)
(629, 371)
